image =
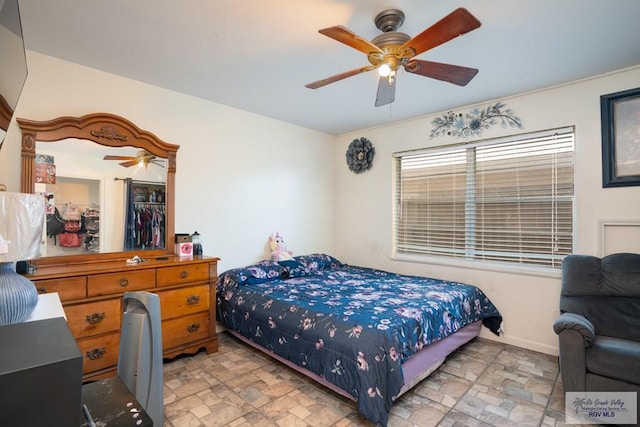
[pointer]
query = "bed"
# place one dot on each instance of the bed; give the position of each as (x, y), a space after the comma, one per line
(365, 333)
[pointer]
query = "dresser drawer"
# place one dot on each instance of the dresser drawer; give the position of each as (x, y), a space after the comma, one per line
(177, 275)
(178, 302)
(99, 352)
(68, 288)
(125, 281)
(94, 318)
(185, 329)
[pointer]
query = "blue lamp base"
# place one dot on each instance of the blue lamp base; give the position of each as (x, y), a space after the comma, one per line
(18, 295)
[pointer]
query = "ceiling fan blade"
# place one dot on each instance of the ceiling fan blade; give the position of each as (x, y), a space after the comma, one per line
(446, 72)
(346, 36)
(455, 24)
(337, 77)
(129, 163)
(157, 162)
(108, 157)
(386, 92)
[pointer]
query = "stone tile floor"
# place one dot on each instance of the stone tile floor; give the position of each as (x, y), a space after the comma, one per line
(485, 383)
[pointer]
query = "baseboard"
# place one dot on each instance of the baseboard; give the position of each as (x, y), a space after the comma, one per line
(519, 342)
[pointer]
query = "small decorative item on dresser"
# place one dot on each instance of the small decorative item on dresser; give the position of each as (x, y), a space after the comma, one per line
(182, 238)
(196, 240)
(184, 249)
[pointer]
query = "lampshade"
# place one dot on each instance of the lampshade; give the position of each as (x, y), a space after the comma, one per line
(22, 218)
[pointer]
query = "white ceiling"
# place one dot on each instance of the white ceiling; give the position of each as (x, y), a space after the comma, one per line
(257, 55)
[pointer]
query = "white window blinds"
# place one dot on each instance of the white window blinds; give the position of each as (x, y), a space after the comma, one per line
(502, 200)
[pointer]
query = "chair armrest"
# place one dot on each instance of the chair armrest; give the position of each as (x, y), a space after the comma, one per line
(578, 323)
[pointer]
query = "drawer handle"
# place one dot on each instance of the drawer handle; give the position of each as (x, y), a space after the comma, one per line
(124, 282)
(95, 318)
(96, 353)
(193, 327)
(184, 274)
(42, 290)
(193, 299)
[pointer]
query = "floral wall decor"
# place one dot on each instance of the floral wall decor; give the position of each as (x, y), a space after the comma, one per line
(360, 155)
(474, 122)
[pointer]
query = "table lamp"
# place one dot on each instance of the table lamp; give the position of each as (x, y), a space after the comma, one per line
(22, 218)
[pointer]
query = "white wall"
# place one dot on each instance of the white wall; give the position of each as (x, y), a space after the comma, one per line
(528, 303)
(240, 176)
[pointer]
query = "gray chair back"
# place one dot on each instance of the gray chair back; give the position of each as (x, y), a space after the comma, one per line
(604, 290)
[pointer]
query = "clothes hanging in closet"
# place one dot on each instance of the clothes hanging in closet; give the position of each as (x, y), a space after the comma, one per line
(149, 226)
(144, 226)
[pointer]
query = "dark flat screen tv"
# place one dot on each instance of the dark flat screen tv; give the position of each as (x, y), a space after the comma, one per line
(13, 62)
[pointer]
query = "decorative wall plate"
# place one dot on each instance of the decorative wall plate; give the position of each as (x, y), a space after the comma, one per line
(360, 155)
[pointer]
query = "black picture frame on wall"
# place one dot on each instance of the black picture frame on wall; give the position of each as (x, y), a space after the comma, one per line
(620, 117)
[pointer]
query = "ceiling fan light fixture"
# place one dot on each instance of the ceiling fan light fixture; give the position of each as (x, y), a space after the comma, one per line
(389, 66)
(384, 70)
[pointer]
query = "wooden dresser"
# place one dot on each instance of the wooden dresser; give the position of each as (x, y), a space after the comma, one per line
(91, 294)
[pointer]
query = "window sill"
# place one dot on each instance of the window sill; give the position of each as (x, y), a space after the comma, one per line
(498, 267)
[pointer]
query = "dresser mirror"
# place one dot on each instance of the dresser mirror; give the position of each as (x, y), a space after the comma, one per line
(120, 178)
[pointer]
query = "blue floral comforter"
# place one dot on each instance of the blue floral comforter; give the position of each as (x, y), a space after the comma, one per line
(353, 326)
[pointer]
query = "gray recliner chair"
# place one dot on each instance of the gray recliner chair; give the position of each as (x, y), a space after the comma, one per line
(599, 325)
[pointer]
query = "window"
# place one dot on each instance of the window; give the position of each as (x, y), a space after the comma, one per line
(508, 200)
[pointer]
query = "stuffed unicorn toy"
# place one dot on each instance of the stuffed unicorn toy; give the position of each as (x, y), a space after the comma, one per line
(278, 247)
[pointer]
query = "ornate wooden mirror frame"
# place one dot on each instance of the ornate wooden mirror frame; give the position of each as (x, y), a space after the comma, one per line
(108, 130)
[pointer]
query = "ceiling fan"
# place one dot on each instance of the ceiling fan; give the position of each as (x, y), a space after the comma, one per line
(392, 49)
(142, 158)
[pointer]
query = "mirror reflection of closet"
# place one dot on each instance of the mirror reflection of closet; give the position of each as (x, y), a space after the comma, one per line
(102, 198)
(144, 215)
(85, 194)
